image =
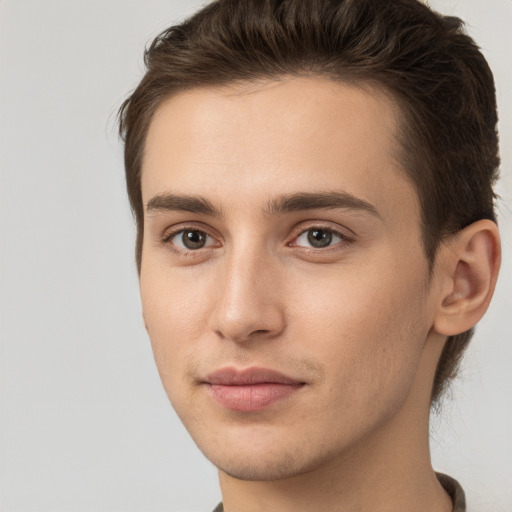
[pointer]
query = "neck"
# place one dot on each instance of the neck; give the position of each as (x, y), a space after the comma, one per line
(388, 470)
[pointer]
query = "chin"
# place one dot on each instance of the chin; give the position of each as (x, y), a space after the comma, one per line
(275, 461)
(279, 467)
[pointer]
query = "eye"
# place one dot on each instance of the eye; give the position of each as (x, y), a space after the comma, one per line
(190, 239)
(319, 238)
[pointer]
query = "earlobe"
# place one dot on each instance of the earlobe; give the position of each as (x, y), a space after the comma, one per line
(469, 269)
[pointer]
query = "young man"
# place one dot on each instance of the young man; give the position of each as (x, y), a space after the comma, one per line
(312, 184)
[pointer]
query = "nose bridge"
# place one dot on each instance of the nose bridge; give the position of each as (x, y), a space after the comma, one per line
(249, 304)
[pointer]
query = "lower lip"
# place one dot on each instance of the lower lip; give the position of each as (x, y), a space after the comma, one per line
(251, 397)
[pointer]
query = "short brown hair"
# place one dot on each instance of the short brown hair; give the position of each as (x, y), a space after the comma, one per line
(434, 71)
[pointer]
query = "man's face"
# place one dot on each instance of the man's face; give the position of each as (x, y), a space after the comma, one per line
(281, 235)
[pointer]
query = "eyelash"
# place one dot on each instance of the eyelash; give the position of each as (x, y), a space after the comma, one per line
(166, 240)
(344, 239)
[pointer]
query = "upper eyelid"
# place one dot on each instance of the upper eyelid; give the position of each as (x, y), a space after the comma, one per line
(320, 228)
(308, 225)
(171, 232)
(345, 239)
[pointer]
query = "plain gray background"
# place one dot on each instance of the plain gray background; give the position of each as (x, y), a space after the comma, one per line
(85, 424)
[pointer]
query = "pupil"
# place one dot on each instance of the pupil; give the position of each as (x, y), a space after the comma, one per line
(193, 239)
(319, 237)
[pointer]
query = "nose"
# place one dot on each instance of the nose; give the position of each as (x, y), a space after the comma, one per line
(249, 305)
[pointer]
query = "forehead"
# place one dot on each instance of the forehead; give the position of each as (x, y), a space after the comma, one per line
(277, 137)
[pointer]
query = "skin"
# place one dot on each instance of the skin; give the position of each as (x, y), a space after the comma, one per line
(355, 321)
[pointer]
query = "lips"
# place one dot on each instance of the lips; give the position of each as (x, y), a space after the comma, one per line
(251, 389)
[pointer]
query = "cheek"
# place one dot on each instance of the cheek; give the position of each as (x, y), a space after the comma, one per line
(368, 327)
(175, 314)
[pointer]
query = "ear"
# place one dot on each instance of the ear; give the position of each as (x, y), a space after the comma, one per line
(468, 265)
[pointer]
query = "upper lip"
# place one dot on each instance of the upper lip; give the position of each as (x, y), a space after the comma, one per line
(232, 376)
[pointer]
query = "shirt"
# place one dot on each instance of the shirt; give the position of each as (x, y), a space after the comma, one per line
(451, 486)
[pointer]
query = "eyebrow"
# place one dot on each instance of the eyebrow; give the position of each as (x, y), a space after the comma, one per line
(320, 200)
(184, 203)
(284, 204)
